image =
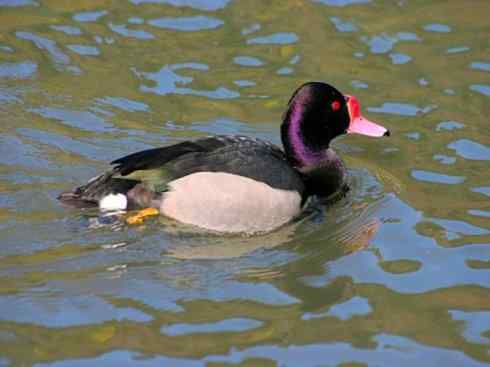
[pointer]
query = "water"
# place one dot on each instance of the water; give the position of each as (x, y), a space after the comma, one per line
(396, 273)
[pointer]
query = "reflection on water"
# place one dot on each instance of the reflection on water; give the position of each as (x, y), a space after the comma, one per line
(167, 81)
(481, 88)
(404, 109)
(394, 273)
(437, 27)
(276, 38)
(187, 24)
(385, 43)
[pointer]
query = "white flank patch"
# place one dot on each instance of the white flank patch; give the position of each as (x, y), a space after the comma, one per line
(225, 202)
(113, 202)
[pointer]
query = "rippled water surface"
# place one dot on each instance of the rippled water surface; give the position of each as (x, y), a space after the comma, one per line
(395, 274)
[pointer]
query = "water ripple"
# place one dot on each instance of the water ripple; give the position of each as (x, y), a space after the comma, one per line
(228, 325)
(285, 71)
(435, 177)
(187, 24)
(244, 83)
(60, 59)
(481, 88)
(18, 70)
(469, 149)
(437, 27)
(344, 311)
(384, 43)
(398, 58)
(444, 159)
(479, 213)
(482, 190)
(343, 26)
(167, 81)
(476, 323)
(5, 48)
(67, 29)
(281, 38)
(125, 104)
(89, 16)
(18, 3)
(342, 3)
(69, 310)
(457, 50)
(388, 350)
(247, 61)
(479, 65)
(403, 109)
(123, 30)
(80, 119)
(251, 29)
(196, 4)
(449, 125)
(84, 50)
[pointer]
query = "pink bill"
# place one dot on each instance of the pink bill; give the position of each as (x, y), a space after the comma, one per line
(359, 124)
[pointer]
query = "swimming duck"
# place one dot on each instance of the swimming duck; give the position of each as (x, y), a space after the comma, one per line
(237, 183)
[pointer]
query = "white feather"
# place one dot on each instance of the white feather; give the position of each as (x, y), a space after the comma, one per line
(113, 202)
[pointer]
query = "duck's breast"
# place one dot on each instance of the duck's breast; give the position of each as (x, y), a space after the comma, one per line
(226, 202)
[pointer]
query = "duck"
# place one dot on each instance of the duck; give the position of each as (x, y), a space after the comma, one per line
(236, 183)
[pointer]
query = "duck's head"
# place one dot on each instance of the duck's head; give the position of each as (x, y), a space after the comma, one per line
(316, 114)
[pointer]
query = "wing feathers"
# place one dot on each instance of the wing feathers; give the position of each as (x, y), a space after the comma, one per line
(153, 158)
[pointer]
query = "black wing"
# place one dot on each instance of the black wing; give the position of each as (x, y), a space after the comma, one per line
(155, 158)
(240, 155)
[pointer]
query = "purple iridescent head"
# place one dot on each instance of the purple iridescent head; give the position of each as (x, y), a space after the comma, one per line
(316, 114)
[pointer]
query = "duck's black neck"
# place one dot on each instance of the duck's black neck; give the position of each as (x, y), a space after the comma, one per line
(303, 147)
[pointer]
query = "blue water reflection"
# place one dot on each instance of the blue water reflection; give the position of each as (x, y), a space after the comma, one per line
(469, 149)
(197, 4)
(187, 24)
(344, 311)
(457, 50)
(89, 16)
(124, 104)
(437, 27)
(17, 3)
(403, 109)
(19, 70)
(67, 29)
(80, 119)
(84, 50)
(123, 30)
(247, 61)
(342, 3)
(59, 58)
(436, 177)
(384, 43)
(281, 38)
(229, 325)
(478, 65)
(343, 26)
(481, 88)
(449, 125)
(168, 81)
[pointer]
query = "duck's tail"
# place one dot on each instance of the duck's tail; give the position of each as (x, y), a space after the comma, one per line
(75, 200)
(98, 188)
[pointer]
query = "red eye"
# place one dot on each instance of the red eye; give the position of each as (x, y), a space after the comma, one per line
(335, 105)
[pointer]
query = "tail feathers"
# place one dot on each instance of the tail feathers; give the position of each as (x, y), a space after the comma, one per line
(89, 195)
(74, 200)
